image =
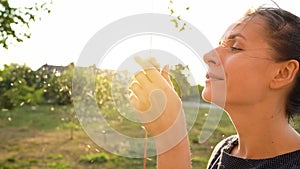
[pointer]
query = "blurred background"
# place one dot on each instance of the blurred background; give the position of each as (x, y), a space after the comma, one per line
(40, 42)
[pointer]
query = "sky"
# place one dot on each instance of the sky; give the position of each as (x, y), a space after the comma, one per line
(59, 38)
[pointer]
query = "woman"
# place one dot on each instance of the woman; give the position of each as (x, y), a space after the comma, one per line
(257, 63)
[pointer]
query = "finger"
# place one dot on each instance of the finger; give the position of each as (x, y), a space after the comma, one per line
(154, 62)
(137, 104)
(142, 79)
(151, 72)
(143, 63)
(141, 94)
(138, 91)
(154, 75)
(165, 74)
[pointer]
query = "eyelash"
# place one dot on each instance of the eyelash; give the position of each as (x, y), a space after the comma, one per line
(235, 49)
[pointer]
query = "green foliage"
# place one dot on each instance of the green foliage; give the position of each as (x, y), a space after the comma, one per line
(103, 86)
(179, 79)
(14, 163)
(57, 85)
(96, 85)
(94, 158)
(180, 75)
(58, 165)
(177, 21)
(18, 87)
(52, 85)
(15, 20)
(55, 157)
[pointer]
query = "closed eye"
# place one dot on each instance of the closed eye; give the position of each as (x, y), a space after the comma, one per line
(230, 44)
(235, 49)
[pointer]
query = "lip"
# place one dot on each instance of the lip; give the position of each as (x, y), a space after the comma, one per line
(212, 77)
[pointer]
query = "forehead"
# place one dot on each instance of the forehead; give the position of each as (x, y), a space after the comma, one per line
(252, 28)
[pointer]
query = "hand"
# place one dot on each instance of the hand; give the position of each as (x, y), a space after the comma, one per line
(157, 104)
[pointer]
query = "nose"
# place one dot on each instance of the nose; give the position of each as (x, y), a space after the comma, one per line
(212, 58)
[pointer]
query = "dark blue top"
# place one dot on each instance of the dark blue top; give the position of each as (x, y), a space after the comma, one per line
(222, 159)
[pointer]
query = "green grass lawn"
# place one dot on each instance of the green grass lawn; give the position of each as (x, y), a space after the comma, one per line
(39, 137)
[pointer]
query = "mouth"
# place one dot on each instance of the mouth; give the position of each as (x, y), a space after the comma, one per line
(213, 77)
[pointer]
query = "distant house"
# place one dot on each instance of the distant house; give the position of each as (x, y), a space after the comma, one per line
(53, 68)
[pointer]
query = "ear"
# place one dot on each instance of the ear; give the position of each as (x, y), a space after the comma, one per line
(285, 75)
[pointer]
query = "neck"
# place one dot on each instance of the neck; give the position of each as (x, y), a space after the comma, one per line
(263, 131)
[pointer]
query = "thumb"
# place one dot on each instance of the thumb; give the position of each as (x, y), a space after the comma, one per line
(165, 73)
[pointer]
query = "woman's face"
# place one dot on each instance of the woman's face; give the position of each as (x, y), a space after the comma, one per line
(241, 67)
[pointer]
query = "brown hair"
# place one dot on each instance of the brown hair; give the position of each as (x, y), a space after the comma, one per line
(283, 29)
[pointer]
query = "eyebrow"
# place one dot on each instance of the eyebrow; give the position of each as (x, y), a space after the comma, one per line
(232, 36)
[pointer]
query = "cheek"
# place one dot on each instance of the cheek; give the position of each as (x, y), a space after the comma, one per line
(245, 81)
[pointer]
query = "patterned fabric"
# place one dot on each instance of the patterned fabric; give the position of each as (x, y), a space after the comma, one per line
(222, 159)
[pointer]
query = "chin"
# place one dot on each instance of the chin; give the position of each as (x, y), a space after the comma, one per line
(206, 94)
(218, 98)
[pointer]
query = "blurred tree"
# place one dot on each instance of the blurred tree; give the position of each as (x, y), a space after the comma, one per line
(18, 86)
(180, 75)
(13, 20)
(103, 86)
(57, 85)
